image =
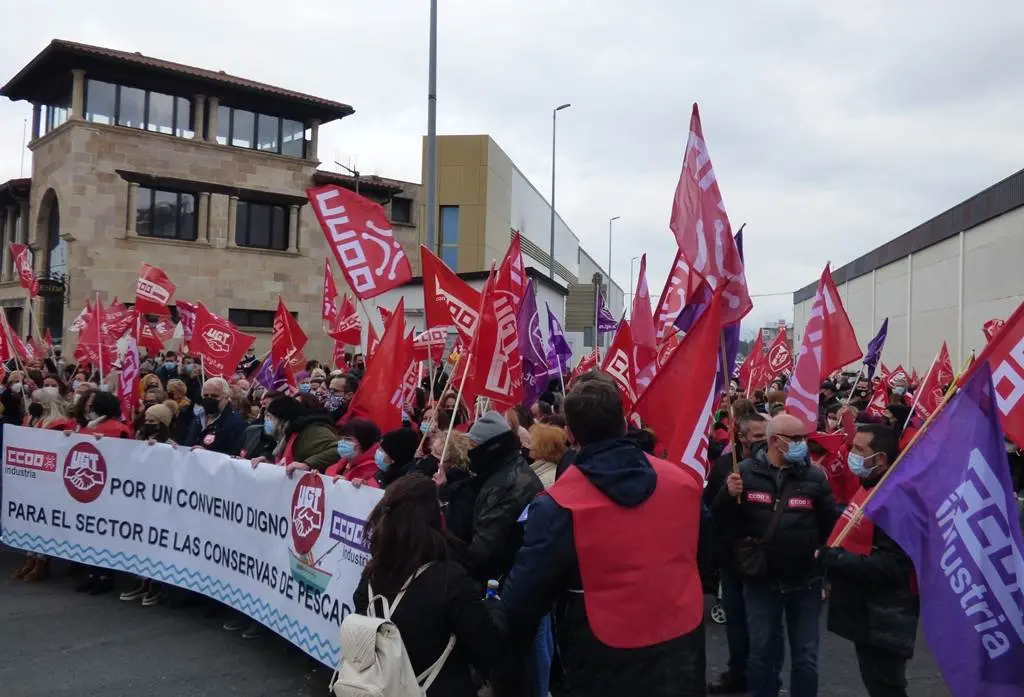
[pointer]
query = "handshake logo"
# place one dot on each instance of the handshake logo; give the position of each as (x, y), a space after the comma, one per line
(85, 473)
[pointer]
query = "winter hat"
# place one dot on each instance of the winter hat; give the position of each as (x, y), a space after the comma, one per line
(400, 445)
(491, 425)
(160, 412)
(285, 409)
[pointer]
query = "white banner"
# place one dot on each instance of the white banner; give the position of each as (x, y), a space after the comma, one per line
(286, 552)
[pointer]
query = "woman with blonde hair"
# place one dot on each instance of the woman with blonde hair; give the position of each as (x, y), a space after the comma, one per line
(547, 446)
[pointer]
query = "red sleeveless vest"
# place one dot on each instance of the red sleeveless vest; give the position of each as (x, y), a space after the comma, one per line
(638, 565)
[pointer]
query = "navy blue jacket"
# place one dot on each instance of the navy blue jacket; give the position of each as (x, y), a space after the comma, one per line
(228, 432)
(546, 578)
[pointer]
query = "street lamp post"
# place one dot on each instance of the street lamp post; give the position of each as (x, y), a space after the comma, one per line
(554, 123)
(431, 183)
(632, 290)
(610, 221)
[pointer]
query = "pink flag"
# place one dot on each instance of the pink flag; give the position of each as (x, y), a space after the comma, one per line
(702, 227)
(645, 342)
(330, 309)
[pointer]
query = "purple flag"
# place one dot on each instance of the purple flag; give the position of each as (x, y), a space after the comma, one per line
(265, 375)
(531, 346)
(559, 353)
(875, 348)
(950, 505)
(605, 321)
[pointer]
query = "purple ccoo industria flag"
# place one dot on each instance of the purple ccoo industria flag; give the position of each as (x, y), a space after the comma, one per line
(605, 320)
(950, 505)
(874, 352)
(559, 353)
(531, 346)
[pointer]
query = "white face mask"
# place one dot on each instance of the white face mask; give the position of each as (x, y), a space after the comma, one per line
(16, 387)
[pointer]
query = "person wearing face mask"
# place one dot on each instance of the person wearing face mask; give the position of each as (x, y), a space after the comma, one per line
(47, 410)
(220, 428)
(103, 412)
(339, 394)
(168, 369)
(357, 448)
(783, 509)
(259, 440)
(872, 600)
(14, 399)
(306, 439)
(396, 455)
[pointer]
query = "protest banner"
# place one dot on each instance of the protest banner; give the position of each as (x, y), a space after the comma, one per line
(287, 552)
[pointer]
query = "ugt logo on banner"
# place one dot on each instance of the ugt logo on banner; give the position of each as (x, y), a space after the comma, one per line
(85, 473)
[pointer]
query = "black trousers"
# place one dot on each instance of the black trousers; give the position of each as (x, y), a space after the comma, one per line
(883, 672)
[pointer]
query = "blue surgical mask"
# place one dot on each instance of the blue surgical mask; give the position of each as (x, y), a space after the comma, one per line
(170, 365)
(425, 427)
(269, 426)
(856, 464)
(797, 452)
(305, 387)
(382, 461)
(899, 390)
(346, 449)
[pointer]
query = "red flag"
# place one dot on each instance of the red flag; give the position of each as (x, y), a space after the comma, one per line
(1005, 354)
(411, 377)
(288, 339)
(348, 327)
(683, 424)
(752, 361)
(496, 368)
(23, 348)
(147, 337)
(645, 338)
(153, 291)
(429, 344)
(164, 329)
(96, 344)
(859, 539)
(879, 400)
(81, 318)
(512, 274)
(48, 339)
(829, 343)
(992, 327)
(681, 284)
(778, 360)
(379, 397)
(7, 335)
(219, 343)
(39, 348)
(359, 234)
(385, 314)
(588, 362)
(187, 314)
(22, 257)
(897, 375)
(340, 362)
(330, 307)
(128, 381)
(372, 340)
(618, 362)
(929, 394)
(447, 299)
(702, 228)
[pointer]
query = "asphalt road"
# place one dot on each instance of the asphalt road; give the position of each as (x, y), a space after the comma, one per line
(56, 643)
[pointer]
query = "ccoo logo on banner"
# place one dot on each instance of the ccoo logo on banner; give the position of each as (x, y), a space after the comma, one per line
(287, 552)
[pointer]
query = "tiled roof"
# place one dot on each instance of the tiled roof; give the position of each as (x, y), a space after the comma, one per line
(59, 50)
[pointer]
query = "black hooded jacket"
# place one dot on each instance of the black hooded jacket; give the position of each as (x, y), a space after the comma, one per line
(546, 578)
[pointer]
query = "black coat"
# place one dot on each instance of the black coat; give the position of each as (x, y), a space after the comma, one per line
(227, 432)
(871, 600)
(256, 443)
(801, 531)
(458, 494)
(443, 601)
(507, 485)
(181, 424)
(546, 578)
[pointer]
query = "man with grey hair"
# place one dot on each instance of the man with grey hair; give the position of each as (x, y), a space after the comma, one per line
(220, 428)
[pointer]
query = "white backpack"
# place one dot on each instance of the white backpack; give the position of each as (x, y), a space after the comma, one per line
(374, 662)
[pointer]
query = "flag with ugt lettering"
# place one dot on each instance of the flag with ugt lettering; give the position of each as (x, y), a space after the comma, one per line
(360, 237)
(950, 505)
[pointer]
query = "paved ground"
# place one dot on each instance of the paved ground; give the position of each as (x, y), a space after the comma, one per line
(56, 643)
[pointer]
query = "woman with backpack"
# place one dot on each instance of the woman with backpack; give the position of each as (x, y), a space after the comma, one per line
(441, 610)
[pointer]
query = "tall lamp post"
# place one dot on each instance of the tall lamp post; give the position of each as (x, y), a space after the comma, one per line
(632, 288)
(610, 221)
(431, 231)
(554, 123)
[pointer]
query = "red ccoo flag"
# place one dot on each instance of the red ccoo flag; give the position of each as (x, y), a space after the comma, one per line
(153, 291)
(702, 227)
(752, 361)
(329, 311)
(447, 299)
(511, 277)
(288, 339)
(1005, 355)
(642, 330)
(683, 424)
(829, 343)
(929, 395)
(360, 237)
(496, 369)
(618, 362)
(348, 327)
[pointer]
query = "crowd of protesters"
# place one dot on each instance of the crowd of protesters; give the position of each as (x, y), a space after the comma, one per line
(602, 551)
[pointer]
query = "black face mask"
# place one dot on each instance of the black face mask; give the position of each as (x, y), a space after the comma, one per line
(35, 410)
(157, 432)
(211, 405)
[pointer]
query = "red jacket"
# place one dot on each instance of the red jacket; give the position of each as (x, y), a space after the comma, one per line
(109, 428)
(363, 467)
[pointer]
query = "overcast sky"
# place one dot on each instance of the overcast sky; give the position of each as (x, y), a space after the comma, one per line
(832, 127)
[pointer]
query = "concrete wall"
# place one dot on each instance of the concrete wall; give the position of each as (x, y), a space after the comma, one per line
(945, 292)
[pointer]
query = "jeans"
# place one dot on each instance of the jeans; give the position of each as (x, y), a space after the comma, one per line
(543, 651)
(736, 623)
(767, 603)
(883, 672)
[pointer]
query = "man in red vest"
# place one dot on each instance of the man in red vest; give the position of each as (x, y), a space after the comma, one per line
(612, 548)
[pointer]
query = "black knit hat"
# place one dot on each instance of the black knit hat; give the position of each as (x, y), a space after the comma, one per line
(400, 445)
(286, 409)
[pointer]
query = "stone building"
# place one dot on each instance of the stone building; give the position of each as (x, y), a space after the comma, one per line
(136, 159)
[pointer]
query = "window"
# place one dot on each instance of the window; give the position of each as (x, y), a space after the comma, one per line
(267, 133)
(136, 108)
(293, 138)
(257, 319)
(264, 132)
(261, 225)
(56, 116)
(243, 124)
(169, 215)
(100, 102)
(401, 210)
(448, 244)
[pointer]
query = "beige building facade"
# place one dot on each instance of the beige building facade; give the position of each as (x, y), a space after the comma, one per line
(137, 160)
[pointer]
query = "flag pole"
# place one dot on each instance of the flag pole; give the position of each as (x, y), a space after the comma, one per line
(732, 419)
(99, 335)
(859, 513)
(860, 374)
(458, 401)
(917, 394)
(433, 418)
